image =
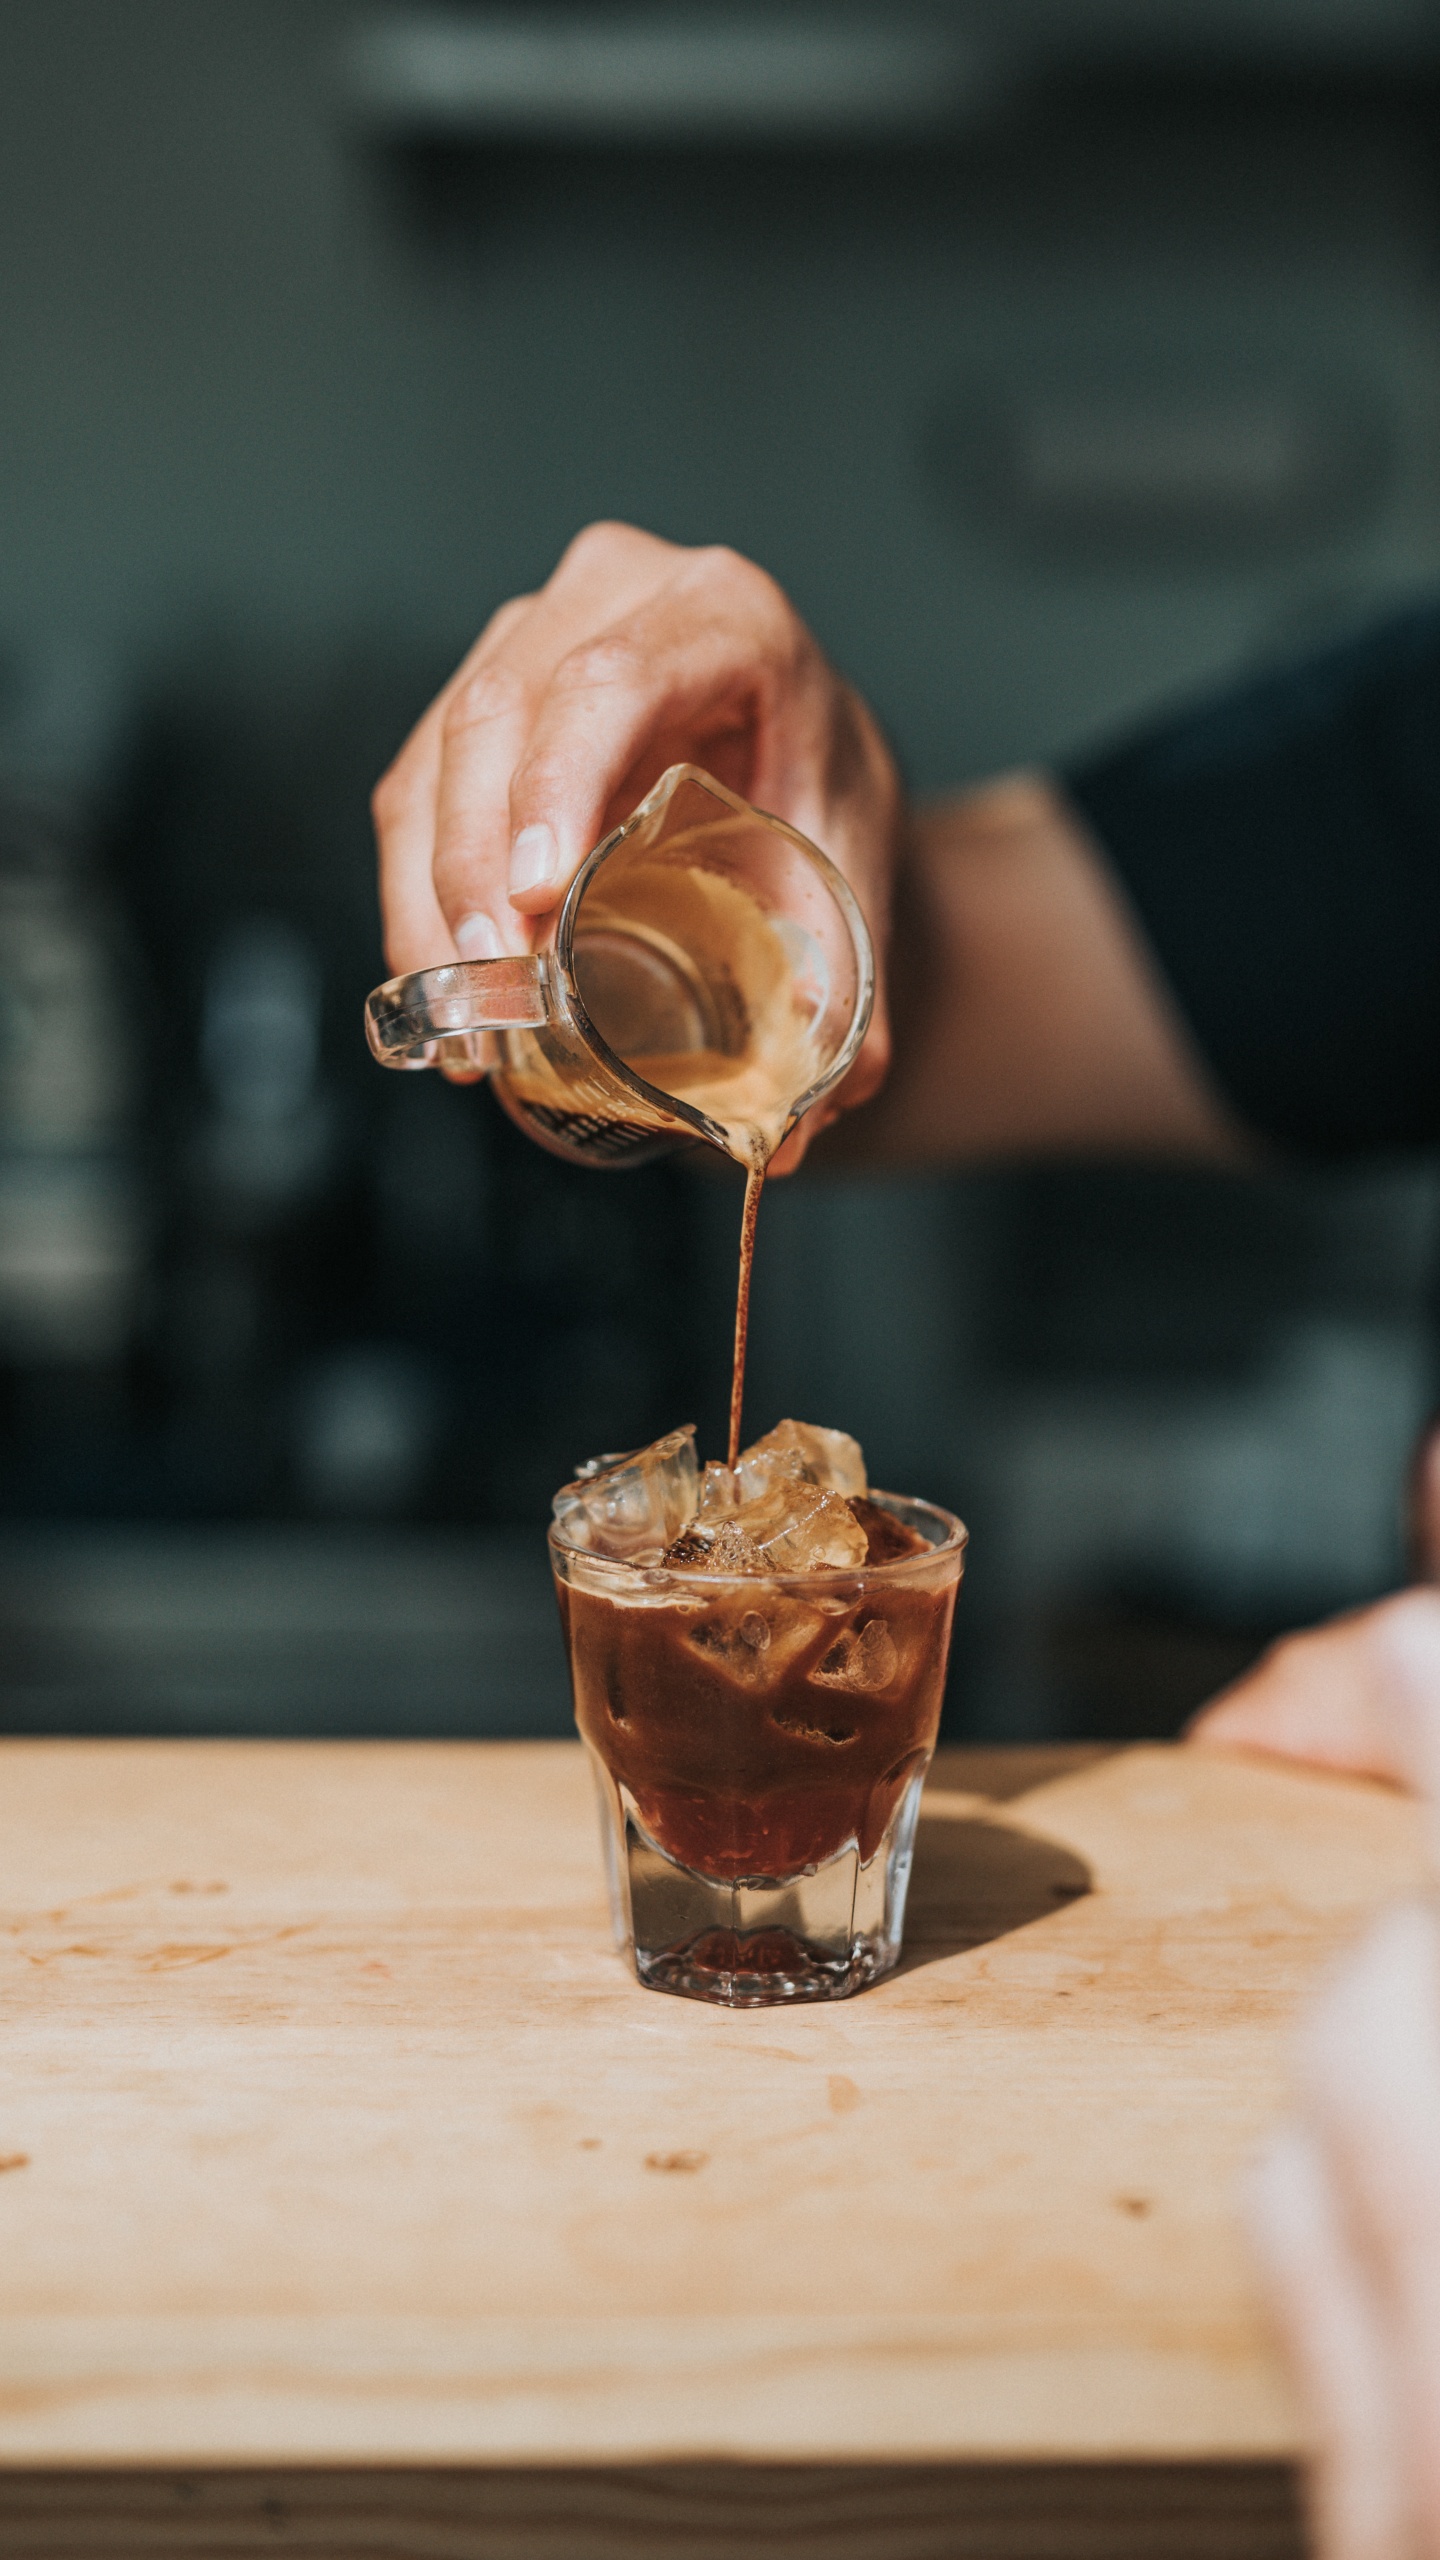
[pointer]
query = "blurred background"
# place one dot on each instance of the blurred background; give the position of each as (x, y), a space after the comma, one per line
(1056, 357)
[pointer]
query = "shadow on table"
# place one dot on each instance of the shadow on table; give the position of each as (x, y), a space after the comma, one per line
(975, 1880)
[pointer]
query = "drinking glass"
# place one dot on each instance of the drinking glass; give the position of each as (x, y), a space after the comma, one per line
(759, 1744)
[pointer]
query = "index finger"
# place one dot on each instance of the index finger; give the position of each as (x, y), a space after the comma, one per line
(715, 652)
(484, 725)
(403, 807)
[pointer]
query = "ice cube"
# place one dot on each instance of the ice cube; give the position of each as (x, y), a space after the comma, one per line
(633, 1507)
(733, 1550)
(719, 1492)
(828, 1458)
(734, 1642)
(919, 1645)
(793, 1454)
(861, 1658)
(710, 1541)
(754, 1641)
(825, 1536)
(757, 1472)
(793, 1527)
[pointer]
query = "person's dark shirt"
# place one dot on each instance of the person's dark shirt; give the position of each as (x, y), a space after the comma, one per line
(1281, 847)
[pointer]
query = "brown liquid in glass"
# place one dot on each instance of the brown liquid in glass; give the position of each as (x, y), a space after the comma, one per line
(741, 1761)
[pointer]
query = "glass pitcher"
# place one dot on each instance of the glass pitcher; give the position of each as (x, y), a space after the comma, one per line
(711, 977)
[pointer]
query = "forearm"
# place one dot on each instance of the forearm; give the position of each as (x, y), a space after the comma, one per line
(1028, 1015)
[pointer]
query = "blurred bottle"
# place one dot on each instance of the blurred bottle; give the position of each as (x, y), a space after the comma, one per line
(264, 1143)
(72, 1228)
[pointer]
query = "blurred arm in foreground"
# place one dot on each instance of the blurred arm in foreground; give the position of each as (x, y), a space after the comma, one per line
(1344, 2208)
(1345, 2205)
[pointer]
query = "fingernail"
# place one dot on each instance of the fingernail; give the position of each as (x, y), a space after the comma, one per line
(477, 937)
(534, 860)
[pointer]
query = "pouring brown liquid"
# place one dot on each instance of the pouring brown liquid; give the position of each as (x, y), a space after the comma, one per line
(751, 1100)
(754, 1185)
(762, 1053)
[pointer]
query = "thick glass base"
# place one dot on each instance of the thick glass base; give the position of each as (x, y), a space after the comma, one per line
(762, 1971)
(763, 1942)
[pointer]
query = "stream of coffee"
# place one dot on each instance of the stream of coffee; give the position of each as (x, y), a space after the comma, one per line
(754, 1185)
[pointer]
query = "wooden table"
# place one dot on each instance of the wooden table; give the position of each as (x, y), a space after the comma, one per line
(354, 2199)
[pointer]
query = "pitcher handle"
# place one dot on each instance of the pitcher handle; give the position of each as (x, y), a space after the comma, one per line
(440, 1017)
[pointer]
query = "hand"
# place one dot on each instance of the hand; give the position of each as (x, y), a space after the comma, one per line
(1342, 1696)
(1345, 2214)
(635, 655)
(1339, 1696)
(1345, 2207)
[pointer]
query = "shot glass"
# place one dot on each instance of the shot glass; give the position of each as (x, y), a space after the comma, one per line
(759, 1744)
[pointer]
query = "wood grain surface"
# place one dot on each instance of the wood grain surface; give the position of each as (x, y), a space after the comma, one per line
(333, 2132)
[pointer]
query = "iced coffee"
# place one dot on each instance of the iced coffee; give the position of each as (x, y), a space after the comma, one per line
(758, 1657)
